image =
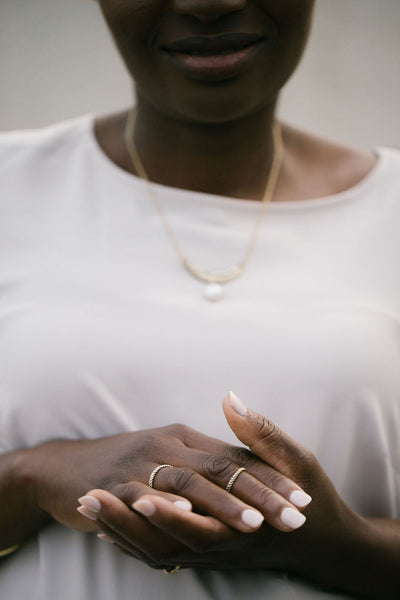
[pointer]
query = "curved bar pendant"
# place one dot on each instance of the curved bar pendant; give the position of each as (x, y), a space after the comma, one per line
(216, 277)
(213, 291)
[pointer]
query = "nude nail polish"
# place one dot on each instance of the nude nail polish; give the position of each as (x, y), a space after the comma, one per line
(292, 518)
(237, 404)
(252, 518)
(91, 503)
(144, 507)
(183, 505)
(86, 512)
(300, 499)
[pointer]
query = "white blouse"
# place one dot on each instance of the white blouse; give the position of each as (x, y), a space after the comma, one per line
(103, 331)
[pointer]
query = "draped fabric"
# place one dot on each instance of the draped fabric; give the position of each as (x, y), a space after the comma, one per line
(103, 331)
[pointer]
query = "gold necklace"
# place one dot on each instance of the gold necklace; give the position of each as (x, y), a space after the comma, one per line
(213, 289)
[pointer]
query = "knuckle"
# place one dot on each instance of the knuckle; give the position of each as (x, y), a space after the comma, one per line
(180, 480)
(274, 479)
(242, 456)
(180, 431)
(267, 431)
(176, 428)
(217, 467)
(127, 492)
(263, 496)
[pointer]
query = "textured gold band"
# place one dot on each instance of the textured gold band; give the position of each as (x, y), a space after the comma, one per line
(154, 473)
(172, 570)
(233, 479)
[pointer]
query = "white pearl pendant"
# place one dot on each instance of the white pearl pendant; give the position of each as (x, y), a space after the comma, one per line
(213, 292)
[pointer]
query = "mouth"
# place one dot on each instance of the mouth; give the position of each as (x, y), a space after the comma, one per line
(214, 58)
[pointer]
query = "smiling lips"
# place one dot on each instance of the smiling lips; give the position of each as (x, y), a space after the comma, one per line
(214, 58)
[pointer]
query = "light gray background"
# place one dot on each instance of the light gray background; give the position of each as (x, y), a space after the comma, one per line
(57, 61)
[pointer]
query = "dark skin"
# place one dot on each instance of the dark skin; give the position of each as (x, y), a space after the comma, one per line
(336, 547)
(211, 136)
(215, 137)
(189, 132)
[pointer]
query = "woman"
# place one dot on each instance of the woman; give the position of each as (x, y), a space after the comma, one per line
(107, 340)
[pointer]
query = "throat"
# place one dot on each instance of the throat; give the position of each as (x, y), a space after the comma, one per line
(217, 160)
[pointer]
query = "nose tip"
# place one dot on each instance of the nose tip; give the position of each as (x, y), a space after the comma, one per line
(207, 10)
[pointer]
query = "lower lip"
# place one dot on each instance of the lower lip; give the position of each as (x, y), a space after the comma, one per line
(215, 67)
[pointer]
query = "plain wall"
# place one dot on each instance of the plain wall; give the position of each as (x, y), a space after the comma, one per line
(57, 61)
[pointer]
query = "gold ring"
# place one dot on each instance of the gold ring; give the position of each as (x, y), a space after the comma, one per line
(172, 570)
(233, 478)
(10, 550)
(154, 473)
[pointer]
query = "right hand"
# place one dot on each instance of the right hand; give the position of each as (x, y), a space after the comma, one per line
(62, 471)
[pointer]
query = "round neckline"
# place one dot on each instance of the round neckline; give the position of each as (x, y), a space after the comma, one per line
(319, 202)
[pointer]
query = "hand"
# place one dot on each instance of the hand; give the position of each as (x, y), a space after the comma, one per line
(121, 465)
(165, 535)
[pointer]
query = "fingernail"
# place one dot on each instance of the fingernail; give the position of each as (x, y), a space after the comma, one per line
(252, 518)
(292, 518)
(300, 499)
(237, 404)
(183, 505)
(91, 503)
(86, 512)
(144, 507)
(105, 537)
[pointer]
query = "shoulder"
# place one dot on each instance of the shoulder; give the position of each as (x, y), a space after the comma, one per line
(326, 167)
(35, 146)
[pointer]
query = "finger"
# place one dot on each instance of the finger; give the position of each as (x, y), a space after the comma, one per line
(217, 471)
(209, 499)
(268, 493)
(267, 475)
(270, 505)
(112, 538)
(197, 532)
(264, 438)
(128, 493)
(132, 533)
(91, 508)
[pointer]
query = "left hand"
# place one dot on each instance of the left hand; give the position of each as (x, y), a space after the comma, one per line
(198, 541)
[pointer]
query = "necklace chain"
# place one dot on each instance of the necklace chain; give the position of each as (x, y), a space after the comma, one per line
(236, 270)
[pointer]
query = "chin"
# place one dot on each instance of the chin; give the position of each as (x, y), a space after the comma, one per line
(213, 107)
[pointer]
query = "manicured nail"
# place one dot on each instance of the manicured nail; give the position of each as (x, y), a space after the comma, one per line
(105, 537)
(300, 499)
(86, 512)
(183, 505)
(252, 518)
(237, 404)
(144, 507)
(292, 518)
(91, 503)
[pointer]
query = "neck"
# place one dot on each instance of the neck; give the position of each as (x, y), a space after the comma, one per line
(230, 159)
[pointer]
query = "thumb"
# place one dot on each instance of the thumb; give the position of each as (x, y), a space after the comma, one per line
(264, 438)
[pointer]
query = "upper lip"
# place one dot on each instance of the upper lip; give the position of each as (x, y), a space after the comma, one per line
(213, 44)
